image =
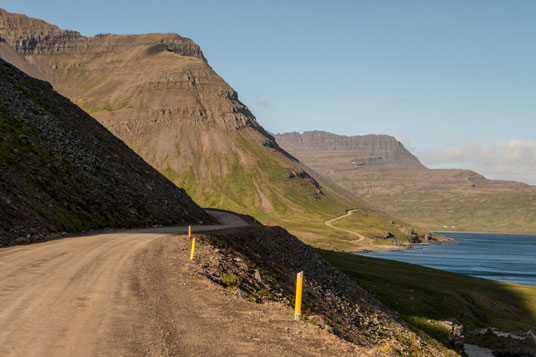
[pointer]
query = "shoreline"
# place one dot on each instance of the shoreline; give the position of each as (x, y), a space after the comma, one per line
(493, 233)
(402, 246)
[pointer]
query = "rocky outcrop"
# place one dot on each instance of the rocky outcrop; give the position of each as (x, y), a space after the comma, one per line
(60, 170)
(30, 36)
(367, 149)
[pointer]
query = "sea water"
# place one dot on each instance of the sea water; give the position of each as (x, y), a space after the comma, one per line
(502, 257)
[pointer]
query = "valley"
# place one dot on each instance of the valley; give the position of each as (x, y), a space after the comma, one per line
(379, 170)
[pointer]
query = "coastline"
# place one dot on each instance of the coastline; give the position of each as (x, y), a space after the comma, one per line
(400, 246)
(403, 246)
(493, 233)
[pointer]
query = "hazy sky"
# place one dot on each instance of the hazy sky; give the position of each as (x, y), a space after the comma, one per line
(453, 80)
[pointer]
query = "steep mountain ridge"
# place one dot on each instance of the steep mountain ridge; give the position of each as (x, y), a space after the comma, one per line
(460, 200)
(30, 36)
(61, 170)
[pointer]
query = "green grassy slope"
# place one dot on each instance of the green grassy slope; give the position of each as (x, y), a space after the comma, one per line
(377, 225)
(440, 199)
(259, 181)
(423, 296)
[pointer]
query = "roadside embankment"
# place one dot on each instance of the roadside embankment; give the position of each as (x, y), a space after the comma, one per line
(260, 265)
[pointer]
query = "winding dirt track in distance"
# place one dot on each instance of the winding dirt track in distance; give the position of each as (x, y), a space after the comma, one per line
(135, 292)
(360, 237)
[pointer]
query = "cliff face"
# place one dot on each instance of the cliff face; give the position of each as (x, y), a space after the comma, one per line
(60, 170)
(363, 149)
(164, 76)
(331, 154)
(29, 36)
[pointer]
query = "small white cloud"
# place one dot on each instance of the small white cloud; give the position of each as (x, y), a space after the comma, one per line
(511, 160)
(262, 103)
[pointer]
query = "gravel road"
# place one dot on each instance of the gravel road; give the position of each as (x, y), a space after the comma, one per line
(136, 293)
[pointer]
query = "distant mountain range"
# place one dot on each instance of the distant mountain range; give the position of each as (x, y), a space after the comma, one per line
(378, 169)
(334, 149)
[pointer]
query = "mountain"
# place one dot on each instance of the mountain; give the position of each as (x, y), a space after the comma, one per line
(158, 94)
(378, 169)
(320, 149)
(60, 170)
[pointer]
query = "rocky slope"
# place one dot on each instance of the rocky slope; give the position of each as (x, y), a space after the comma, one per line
(60, 170)
(397, 183)
(159, 95)
(260, 265)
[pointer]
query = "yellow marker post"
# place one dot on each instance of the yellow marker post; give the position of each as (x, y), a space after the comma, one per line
(189, 231)
(299, 288)
(193, 248)
(268, 226)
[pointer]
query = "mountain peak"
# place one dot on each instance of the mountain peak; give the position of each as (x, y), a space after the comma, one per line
(30, 36)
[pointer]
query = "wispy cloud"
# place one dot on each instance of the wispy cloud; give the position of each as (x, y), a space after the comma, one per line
(511, 160)
(262, 103)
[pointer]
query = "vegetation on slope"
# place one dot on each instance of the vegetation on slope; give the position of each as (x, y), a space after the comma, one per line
(441, 199)
(423, 296)
(383, 230)
(261, 182)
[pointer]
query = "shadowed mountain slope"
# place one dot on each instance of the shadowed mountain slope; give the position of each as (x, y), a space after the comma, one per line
(60, 170)
(159, 95)
(378, 169)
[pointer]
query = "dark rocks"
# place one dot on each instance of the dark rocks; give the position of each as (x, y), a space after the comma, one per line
(456, 330)
(531, 337)
(407, 230)
(65, 172)
(386, 235)
(414, 239)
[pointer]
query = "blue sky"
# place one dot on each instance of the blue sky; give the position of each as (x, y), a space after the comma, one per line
(451, 79)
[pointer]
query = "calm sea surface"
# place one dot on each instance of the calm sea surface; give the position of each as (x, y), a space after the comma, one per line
(503, 257)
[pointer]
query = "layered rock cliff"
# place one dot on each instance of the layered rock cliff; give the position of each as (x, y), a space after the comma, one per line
(360, 150)
(60, 170)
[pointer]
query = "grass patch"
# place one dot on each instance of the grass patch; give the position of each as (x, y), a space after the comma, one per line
(230, 280)
(420, 294)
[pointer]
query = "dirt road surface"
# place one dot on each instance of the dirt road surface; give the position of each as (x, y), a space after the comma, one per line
(136, 293)
(360, 238)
